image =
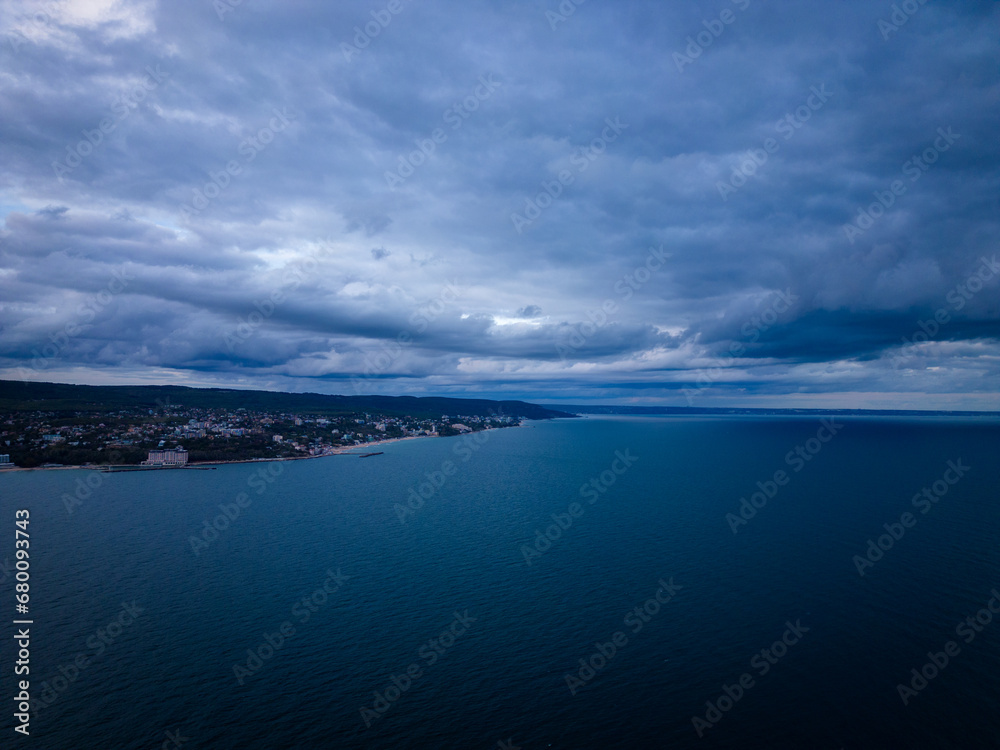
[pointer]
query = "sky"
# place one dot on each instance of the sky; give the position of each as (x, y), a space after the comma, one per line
(712, 203)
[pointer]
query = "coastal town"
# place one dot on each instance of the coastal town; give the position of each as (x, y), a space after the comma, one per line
(179, 436)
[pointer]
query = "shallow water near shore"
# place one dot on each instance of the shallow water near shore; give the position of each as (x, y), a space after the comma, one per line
(443, 592)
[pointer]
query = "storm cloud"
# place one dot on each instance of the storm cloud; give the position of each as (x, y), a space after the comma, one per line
(727, 202)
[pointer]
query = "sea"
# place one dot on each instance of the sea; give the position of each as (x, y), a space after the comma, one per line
(605, 582)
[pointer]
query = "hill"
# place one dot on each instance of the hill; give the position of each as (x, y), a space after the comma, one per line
(16, 396)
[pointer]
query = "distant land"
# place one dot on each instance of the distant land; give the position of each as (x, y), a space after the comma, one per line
(16, 396)
(52, 425)
(693, 410)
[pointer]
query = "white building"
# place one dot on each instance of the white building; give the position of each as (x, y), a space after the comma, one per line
(169, 457)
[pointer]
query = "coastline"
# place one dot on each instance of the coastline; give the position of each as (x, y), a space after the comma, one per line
(345, 451)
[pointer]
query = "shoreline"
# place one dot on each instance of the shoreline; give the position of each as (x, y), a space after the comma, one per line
(204, 464)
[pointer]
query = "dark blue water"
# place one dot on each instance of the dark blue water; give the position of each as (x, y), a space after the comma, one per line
(499, 671)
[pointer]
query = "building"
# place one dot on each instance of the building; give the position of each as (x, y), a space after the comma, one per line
(169, 457)
(5, 461)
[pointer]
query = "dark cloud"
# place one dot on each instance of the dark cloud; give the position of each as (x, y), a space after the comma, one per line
(53, 212)
(194, 198)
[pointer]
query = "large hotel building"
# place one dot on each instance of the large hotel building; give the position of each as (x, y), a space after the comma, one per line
(167, 457)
